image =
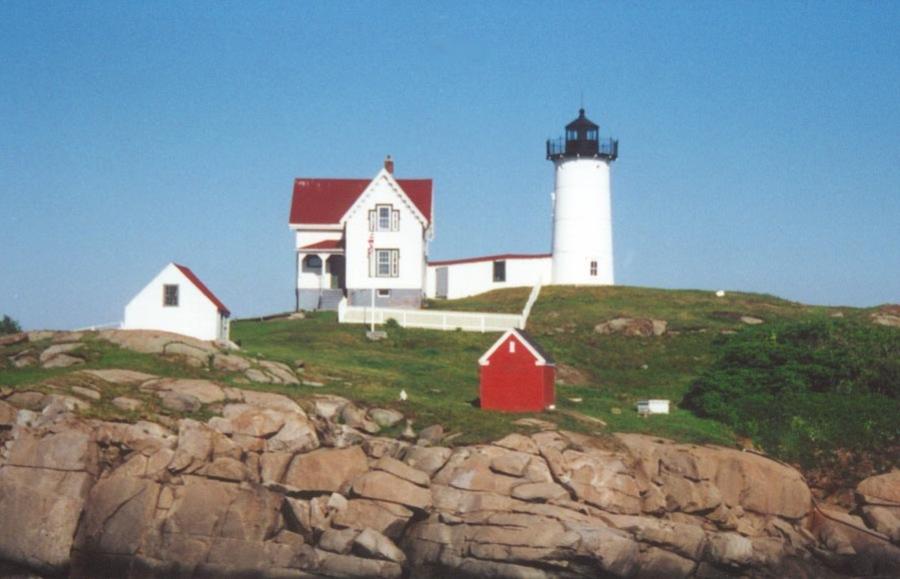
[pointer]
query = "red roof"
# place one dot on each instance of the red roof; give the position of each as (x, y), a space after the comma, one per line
(326, 244)
(203, 289)
(501, 256)
(318, 201)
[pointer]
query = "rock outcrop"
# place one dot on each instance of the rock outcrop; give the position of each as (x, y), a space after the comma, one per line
(268, 489)
(632, 327)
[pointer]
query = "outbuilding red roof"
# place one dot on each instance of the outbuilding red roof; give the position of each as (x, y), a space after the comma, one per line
(499, 257)
(320, 201)
(541, 355)
(326, 244)
(203, 289)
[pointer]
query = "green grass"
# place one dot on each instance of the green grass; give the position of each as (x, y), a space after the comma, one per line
(439, 369)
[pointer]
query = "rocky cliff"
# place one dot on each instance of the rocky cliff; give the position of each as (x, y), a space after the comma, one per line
(271, 488)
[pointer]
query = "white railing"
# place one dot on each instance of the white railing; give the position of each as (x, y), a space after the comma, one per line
(532, 297)
(430, 319)
(438, 319)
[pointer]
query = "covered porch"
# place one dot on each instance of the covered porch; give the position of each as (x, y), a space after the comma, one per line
(321, 276)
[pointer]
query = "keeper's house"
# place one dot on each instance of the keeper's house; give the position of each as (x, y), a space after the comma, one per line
(358, 236)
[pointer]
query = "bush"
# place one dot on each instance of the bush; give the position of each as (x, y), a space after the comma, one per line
(9, 326)
(803, 391)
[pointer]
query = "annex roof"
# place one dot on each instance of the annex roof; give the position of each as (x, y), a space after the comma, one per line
(498, 257)
(192, 277)
(541, 356)
(325, 201)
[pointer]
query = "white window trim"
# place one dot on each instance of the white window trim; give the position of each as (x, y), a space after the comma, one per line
(393, 263)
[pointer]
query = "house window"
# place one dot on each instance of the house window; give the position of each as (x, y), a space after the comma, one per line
(384, 218)
(499, 271)
(512, 346)
(594, 269)
(384, 293)
(313, 262)
(386, 263)
(170, 295)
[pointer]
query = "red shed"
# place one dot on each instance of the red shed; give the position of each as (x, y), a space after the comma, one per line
(517, 375)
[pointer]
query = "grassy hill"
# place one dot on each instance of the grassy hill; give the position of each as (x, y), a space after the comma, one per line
(603, 375)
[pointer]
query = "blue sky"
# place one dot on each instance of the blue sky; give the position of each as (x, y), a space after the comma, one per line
(760, 142)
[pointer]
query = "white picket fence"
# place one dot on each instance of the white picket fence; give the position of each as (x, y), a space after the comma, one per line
(438, 319)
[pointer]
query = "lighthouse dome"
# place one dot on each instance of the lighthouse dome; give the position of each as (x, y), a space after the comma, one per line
(582, 139)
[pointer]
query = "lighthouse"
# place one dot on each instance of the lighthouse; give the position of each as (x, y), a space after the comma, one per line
(582, 206)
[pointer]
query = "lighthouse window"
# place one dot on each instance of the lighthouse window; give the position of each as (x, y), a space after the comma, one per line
(594, 268)
(499, 271)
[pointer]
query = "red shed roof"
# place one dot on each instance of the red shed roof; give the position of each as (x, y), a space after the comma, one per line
(320, 201)
(326, 244)
(203, 289)
(541, 356)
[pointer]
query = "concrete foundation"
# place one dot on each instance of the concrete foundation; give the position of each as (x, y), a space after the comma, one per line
(403, 298)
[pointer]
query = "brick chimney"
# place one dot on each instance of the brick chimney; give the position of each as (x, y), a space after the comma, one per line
(389, 164)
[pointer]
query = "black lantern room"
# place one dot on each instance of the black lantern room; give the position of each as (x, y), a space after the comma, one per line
(582, 140)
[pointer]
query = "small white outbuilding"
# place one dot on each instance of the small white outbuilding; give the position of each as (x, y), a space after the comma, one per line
(656, 406)
(177, 301)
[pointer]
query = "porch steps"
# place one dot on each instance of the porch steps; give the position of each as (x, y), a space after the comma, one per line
(330, 299)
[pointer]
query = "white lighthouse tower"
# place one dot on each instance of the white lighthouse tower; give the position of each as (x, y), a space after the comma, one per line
(582, 212)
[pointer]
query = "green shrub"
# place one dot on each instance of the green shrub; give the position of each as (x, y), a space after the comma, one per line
(9, 326)
(804, 391)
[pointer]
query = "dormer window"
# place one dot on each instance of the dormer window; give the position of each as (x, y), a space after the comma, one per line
(384, 218)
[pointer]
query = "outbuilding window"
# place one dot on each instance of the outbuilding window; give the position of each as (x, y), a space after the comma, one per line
(170, 295)
(384, 293)
(499, 271)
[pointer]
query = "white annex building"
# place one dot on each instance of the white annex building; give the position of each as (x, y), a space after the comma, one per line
(177, 301)
(358, 236)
